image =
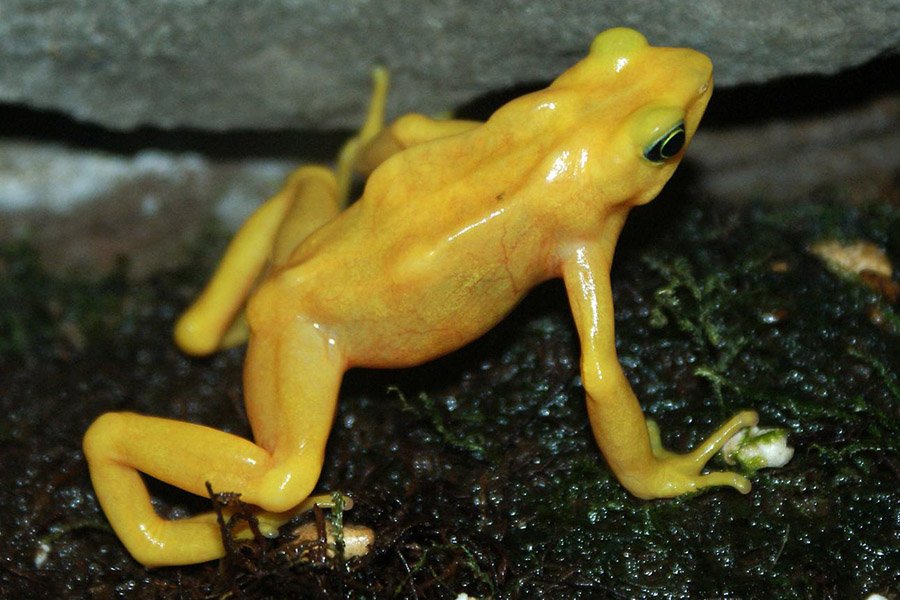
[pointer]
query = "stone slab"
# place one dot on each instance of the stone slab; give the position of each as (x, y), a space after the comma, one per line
(304, 64)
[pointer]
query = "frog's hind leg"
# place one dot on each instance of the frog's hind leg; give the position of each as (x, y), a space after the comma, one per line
(374, 143)
(291, 385)
(215, 320)
(352, 150)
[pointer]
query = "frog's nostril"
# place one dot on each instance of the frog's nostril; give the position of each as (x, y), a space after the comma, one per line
(705, 90)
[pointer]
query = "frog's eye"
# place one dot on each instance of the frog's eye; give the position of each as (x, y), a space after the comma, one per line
(667, 146)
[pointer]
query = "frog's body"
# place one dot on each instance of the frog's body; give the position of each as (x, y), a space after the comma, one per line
(458, 220)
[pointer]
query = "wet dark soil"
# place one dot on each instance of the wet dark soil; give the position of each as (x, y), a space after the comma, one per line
(478, 472)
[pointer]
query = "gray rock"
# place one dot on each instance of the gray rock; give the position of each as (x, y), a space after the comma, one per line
(849, 156)
(305, 64)
(85, 209)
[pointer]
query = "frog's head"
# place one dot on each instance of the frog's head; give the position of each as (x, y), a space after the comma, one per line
(631, 110)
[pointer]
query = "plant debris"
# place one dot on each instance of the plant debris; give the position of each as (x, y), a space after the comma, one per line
(487, 480)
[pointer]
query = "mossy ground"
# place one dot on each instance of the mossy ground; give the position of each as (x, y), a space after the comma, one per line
(478, 472)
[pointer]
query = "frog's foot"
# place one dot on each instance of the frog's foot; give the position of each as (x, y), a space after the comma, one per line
(675, 474)
(357, 539)
(270, 522)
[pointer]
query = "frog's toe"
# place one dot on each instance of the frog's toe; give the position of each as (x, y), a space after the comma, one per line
(705, 451)
(656, 445)
(676, 474)
(270, 522)
(724, 478)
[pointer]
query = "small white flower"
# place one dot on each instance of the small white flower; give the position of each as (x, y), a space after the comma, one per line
(755, 448)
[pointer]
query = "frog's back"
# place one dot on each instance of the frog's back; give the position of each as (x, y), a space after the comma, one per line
(449, 234)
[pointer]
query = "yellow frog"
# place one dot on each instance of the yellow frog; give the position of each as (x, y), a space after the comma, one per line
(457, 222)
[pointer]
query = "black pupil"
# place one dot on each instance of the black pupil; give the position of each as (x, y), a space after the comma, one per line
(667, 146)
(672, 145)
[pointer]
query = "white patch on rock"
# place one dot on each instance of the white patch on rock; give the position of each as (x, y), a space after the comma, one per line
(58, 179)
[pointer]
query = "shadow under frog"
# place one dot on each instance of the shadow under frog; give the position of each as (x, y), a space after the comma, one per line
(457, 222)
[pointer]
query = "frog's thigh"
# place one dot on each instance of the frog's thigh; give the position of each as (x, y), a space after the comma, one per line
(292, 375)
(374, 143)
(314, 195)
(214, 320)
(407, 131)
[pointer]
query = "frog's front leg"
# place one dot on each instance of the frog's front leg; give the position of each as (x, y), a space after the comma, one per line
(215, 320)
(631, 445)
(292, 377)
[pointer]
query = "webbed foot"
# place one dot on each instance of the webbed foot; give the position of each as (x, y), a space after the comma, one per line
(675, 474)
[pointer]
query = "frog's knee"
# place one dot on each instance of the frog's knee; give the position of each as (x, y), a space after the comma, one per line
(193, 335)
(101, 437)
(287, 484)
(269, 309)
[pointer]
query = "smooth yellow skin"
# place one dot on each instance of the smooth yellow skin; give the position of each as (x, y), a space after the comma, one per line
(457, 222)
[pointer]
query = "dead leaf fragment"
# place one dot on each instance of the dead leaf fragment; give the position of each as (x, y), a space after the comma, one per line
(860, 259)
(358, 539)
(853, 258)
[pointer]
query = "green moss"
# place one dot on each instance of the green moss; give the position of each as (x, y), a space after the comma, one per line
(486, 479)
(461, 432)
(336, 518)
(42, 315)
